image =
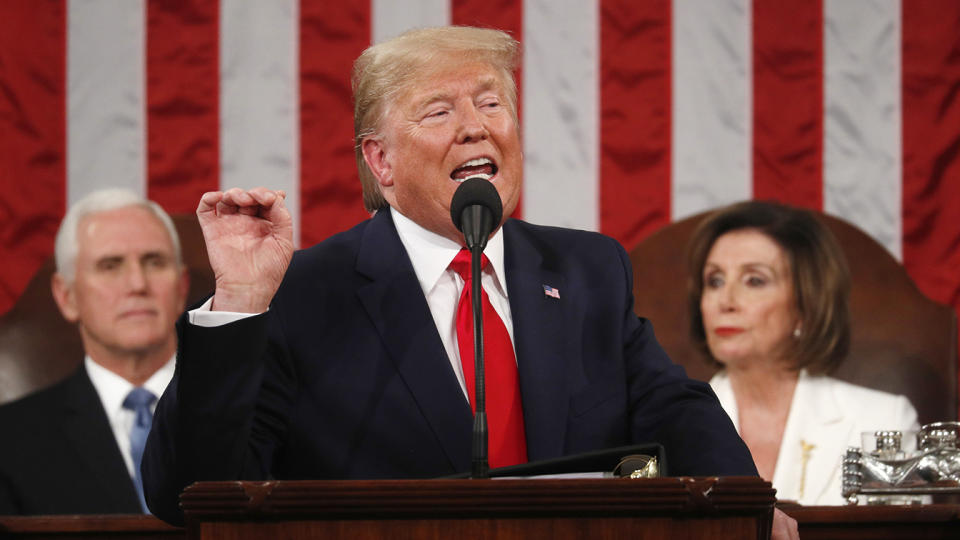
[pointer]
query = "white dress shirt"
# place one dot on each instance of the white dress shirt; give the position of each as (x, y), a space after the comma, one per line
(113, 389)
(431, 255)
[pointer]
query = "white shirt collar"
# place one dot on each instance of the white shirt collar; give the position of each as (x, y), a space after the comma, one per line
(431, 253)
(113, 388)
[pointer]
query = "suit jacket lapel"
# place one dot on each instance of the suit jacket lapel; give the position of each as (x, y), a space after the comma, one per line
(833, 429)
(538, 330)
(821, 418)
(89, 433)
(399, 312)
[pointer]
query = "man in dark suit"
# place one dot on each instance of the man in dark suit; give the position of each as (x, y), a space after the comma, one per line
(351, 367)
(70, 448)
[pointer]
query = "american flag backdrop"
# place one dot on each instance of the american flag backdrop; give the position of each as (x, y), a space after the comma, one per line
(634, 112)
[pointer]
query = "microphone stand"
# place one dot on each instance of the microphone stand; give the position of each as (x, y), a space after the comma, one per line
(480, 466)
(476, 209)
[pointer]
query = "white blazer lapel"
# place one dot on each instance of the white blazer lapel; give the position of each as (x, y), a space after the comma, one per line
(815, 437)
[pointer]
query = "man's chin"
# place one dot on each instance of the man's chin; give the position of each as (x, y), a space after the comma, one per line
(140, 344)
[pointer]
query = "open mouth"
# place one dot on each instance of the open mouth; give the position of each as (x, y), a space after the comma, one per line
(481, 167)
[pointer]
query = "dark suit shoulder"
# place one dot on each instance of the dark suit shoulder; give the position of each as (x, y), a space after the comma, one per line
(322, 269)
(45, 401)
(62, 457)
(570, 252)
(557, 235)
(339, 248)
(561, 241)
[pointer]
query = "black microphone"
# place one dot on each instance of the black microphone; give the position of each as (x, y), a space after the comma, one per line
(476, 210)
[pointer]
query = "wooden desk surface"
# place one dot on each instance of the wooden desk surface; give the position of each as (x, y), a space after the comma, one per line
(921, 522)
(125, 527)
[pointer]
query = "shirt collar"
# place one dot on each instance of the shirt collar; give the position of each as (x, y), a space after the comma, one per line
(113, 388)
(431, 253)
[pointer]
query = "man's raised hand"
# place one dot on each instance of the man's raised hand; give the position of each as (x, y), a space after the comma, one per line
(249, 237)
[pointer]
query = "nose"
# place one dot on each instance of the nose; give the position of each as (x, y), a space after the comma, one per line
(727, 298)
(136, 278)
(472, 128)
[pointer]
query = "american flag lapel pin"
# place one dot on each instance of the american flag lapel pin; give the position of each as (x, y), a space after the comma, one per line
(551, 292)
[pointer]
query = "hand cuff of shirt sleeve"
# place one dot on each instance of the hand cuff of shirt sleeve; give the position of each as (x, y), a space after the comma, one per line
(202, 316)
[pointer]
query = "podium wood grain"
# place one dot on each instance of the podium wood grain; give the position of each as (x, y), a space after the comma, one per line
(502, 508)
(88, 527)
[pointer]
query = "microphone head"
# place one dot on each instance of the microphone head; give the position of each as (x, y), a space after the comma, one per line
(475, 191)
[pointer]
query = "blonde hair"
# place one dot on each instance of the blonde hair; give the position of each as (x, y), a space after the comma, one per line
(386, 70)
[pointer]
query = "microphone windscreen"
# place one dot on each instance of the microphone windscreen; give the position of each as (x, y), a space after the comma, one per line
(475, 191)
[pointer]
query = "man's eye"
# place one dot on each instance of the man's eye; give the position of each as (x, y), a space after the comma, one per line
(108, 265)
(156, 261)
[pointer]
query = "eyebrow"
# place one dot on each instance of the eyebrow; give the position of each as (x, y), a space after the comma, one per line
(485, 84)
(752, 265)
(141, 257)
(747, 266)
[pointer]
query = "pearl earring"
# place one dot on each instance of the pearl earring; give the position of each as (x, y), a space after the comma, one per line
(797, 333)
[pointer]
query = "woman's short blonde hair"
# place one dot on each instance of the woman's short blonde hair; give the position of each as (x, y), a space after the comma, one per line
(388, 69)
(821, 279)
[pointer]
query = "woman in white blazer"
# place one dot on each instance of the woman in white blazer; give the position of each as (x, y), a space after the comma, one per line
(769, 297)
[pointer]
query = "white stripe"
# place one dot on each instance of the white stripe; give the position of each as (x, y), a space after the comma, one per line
(259, 69)
(862, 123)
(561, 113)
(390, 18)
(712, 105)
(106, 130)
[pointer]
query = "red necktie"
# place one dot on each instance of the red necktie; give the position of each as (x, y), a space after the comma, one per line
(507, 439)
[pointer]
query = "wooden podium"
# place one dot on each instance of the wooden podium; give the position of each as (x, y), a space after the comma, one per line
(661, 508)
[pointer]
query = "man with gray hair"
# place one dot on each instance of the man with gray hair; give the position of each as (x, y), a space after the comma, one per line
(78, 444)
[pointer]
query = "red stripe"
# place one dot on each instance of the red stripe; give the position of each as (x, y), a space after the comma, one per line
(931, 147)
(634, 118)
(506, 15)
(32, 138)
(183, 157)
(332, 35)
(788, 101)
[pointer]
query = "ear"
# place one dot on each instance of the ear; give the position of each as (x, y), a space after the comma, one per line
(64, 295)
(375, 154)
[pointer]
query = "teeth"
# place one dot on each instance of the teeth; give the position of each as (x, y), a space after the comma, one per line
(475, 162)
(478, 175)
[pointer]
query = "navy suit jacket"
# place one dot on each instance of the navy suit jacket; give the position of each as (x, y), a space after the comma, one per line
(59, 456)
(346, 375)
